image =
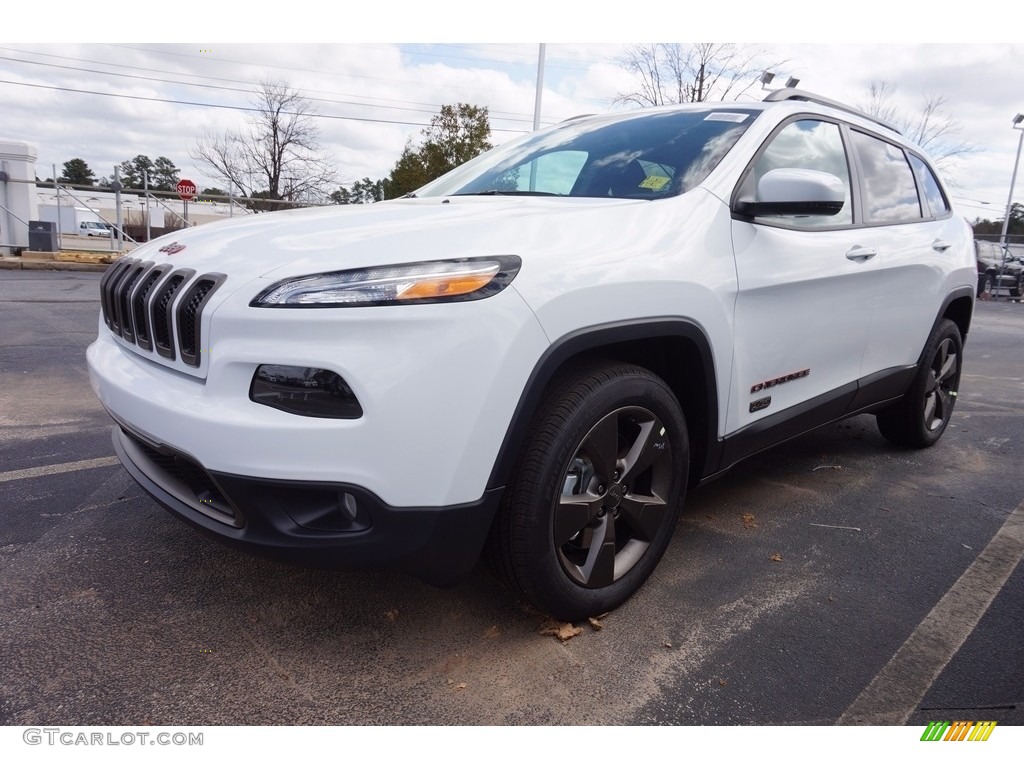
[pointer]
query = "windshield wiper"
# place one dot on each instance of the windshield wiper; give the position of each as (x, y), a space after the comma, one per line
(511, 192)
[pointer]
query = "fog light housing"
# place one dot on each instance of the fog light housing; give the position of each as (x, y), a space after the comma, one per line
(325, 510)
(314, 392)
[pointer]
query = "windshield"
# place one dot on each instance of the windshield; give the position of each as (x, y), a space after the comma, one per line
(641, 156)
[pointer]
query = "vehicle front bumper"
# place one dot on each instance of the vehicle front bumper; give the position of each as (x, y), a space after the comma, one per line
(305, 522)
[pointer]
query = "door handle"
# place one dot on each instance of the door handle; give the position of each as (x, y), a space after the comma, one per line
(858, 253)
(940, 245)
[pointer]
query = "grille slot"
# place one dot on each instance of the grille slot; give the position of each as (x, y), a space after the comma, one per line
(138, 303)
(161, 313)
(188, 480)
(107, 286)
(189, 316)
(140, 317)
(124, 290)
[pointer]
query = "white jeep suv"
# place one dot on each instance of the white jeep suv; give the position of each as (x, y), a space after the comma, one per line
(543, 349)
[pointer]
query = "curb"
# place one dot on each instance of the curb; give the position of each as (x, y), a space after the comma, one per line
(16, 262)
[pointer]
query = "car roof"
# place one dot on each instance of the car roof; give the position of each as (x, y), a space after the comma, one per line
(786, 100)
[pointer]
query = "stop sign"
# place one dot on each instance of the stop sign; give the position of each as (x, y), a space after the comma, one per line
(186, 189)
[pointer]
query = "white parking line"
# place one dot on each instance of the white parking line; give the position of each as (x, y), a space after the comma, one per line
(897, 690)
(56, 469)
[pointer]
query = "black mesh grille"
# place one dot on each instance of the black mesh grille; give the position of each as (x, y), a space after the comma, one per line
(140, 316)
(138, 300)
(190, 474)
(162, 316)
(124, 291)
(107, 298)
(188, 319)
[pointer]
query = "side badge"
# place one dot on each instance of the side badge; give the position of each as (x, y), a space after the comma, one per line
(760, 405)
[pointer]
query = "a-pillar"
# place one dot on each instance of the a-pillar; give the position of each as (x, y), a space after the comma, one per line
(18, 201)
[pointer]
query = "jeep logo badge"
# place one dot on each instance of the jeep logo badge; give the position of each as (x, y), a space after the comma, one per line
(172, 248)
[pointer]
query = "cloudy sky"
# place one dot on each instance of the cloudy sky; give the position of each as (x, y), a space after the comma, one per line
(70, 98)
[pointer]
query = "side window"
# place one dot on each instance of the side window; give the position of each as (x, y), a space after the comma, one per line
(890, 194)
(937, 203)
(806, 144)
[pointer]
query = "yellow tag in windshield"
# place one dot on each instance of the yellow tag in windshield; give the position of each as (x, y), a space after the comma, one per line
(655, 182)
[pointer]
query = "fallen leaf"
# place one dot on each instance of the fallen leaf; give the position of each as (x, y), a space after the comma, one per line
(392, 614)
(597, 625)
(748, 521)
(450, 681)
(460, 686)
(776, 558)
(666, 643)
(831, 599)
(721, 681)
(563, 631)
(492, 633)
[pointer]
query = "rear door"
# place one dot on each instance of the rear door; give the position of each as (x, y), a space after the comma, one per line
(917, 239)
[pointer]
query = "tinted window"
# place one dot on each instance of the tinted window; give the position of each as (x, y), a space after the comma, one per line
(932, 191)
(890, 193)
(807, 144)
(553, 173)
(644, 156)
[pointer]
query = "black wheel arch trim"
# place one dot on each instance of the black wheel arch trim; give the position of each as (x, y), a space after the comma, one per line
(963, 321)
(591, 340)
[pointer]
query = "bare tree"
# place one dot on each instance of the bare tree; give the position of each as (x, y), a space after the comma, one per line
(930, 126)
(277, 155)
(673, 73)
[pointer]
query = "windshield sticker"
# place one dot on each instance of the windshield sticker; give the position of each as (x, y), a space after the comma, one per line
(655, 182)
(727, 117)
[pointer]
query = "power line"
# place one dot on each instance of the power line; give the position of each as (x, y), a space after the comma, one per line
(270, 66)
(236, 90)
(227, 106)
(433, 107)
(200, 77)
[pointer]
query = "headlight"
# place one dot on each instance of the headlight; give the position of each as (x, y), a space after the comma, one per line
(426, 282)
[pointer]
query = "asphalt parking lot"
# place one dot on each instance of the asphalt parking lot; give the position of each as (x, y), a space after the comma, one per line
(833, 579)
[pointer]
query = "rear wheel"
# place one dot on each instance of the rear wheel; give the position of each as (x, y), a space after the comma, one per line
(920, 418)
(596, 493)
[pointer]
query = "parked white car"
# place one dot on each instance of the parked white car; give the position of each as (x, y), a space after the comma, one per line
(544, 348)
(94, 229)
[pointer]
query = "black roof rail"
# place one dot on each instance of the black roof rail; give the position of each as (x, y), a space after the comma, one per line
(793, 94)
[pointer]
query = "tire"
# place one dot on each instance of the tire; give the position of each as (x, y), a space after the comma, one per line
(920, 418)
(596, 492)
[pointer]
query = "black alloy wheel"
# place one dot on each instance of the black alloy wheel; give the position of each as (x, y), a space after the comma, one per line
(920, 418)
(596, 493)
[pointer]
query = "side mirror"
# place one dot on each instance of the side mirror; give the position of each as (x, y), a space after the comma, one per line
(795, 192)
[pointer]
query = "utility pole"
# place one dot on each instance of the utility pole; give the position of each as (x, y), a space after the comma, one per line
(536, 111)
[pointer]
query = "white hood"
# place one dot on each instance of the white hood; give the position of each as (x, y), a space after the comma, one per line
(284, 244)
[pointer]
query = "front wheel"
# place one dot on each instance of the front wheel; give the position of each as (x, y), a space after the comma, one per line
(596, 493)
(920, 418)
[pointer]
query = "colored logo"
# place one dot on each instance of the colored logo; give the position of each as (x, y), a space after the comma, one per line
(172, 248)
(959, 730)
